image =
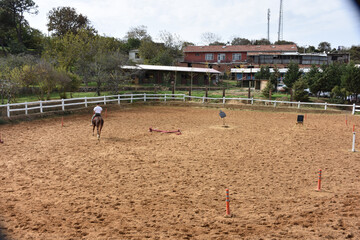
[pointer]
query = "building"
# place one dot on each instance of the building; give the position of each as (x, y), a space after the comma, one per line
(134, 56)
(155, 74)
(246, 76)
(223, 58)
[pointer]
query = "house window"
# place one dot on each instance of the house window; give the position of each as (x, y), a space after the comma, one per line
(137, 56)
(197, 54)
(221, 56)
(236, 56)
(209, 56)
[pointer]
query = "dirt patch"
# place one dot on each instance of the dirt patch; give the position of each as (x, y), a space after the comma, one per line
(61, 183)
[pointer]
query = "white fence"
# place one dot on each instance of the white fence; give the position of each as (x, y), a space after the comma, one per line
(65, 104)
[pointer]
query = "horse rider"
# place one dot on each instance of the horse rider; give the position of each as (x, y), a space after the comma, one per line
(97, 112)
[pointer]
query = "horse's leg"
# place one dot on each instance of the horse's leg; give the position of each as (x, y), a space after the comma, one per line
(101, 125)
(97, 129)
(93, 128)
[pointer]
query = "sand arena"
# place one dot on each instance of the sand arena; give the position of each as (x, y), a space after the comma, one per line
(61, 183)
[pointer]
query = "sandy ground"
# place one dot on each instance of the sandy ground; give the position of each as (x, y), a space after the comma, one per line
(61, 183)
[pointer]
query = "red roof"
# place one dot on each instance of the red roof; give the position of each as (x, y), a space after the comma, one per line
(243, 48)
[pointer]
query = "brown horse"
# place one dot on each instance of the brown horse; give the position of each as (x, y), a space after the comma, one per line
(97, 122)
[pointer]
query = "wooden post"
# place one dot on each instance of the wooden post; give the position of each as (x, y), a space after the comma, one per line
(206, 93)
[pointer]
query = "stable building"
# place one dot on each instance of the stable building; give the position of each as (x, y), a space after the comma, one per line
(155, 74)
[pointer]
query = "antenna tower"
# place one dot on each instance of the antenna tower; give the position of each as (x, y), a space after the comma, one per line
(281, 22)
(268, 27)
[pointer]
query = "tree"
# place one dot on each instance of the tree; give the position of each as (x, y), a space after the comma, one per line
(283, 42)
(299, 93)
(16, 10)
(351, 79)
(139, 32)
(65, 19)
(262, 41)
(209, 38)
(324, 47)
(355, 54)
(291, 76)
(312, 79)
(264, 73)
(240, 41)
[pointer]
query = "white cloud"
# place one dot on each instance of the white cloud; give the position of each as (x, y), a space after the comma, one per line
(307, 22)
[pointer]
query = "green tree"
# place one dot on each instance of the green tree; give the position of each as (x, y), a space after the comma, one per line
(291, 76)
(139, 32)
(16, 10)
(351, 79)
(264, 73)
(240, 41)
(299, 93)
(62, 20)
(355, 54)
(324, 47)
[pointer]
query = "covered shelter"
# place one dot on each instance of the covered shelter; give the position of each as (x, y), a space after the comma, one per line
(156, 74)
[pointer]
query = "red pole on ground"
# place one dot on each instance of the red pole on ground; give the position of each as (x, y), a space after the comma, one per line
(319, 181)
(354, 128)
(1, 141)
(62, 122)
(227, 203)
(105, 112)
(346, 120)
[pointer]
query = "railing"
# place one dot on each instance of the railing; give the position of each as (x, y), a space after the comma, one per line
(67, 104)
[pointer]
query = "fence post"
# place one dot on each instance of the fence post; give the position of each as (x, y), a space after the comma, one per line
(183, 97)
(354, 108)
(203, 99)
(223, 100)
(144, 97)
(298, 104)
(165, 97)
(104, 100)
(26, 108)
(119, 99)
(275, 103)
(86, 101)
(326, 106)
(252, 100)
(62, 104)
(131, 98)
(8, 110)
(41, 109)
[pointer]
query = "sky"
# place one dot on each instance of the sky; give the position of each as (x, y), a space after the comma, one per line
(305, 22)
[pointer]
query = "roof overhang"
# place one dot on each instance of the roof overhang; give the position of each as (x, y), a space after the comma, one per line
(171, 68)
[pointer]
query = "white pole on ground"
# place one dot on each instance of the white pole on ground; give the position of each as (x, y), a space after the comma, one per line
(119, 99)
(298, 104)
(144, 97)
(26, 108)
(275, 103)
(62, 104)
(165, 97)
(104, 100)
(85, 101)
(223, 100)
(41, 108)
(353, 144)
(326, 106)
(353, 110)
(8, 110)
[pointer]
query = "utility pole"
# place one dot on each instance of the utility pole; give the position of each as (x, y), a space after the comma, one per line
(281, 22)
(268, 28)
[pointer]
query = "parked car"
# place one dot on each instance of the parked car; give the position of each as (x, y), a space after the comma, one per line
(281, 87)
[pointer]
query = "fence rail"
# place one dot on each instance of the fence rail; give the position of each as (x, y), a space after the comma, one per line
(66, 104)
